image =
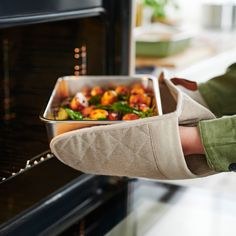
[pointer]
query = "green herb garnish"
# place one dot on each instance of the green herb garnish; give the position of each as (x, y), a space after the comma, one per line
(124, 108)
(74, 115)
(102, 119)
(122, 97)
(94, 100)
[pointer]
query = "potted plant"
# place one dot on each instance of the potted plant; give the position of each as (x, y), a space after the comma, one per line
(160, 10)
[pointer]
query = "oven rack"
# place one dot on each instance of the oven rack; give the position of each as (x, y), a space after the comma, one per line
(31, 163)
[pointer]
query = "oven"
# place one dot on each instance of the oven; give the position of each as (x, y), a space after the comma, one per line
(39, 42)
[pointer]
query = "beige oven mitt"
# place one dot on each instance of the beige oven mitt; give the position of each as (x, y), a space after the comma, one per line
(190, 88)
(147, 147)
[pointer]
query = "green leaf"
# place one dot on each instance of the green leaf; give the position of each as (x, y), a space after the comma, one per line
(74, 115)
(104, 107)
(94, 100)
(122, 97)
(159, 7)
(122, 107)
(102, 119)
(149, 112)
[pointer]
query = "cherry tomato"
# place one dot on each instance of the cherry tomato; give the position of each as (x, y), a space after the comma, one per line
(113, 116)
(143, 107)
(87, 110)
(130, 116)
(122, 90)
(97, 91)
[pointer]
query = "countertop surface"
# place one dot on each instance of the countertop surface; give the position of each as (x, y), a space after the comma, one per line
(156, 209)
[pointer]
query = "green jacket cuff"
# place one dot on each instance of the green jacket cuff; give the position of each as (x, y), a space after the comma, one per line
(219, 140)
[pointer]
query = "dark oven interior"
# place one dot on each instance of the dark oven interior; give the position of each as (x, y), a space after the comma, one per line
(34, 54)
(39, 42)
(33, 57)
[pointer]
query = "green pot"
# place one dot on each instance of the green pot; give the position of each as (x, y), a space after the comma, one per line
(161, 48)
(150, 43)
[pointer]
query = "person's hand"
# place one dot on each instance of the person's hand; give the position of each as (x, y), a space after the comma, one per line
(191, 140)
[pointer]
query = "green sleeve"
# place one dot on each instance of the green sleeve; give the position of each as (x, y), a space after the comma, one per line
(219, 140)
(220, 93)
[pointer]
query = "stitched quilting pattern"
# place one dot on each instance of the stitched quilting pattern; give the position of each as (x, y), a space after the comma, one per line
(126, 151)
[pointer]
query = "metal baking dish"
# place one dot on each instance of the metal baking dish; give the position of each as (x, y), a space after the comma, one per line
(69, 85)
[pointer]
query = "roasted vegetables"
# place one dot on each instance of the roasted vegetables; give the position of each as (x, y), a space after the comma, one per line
(61, 114)
(130, 116)
(109, 97)
(74, 115)
(78, 102)
(98, 114)
(112, 103)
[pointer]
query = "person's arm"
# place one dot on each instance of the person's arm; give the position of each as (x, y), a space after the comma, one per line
(216, 138)
(190, 140)
(219, 93)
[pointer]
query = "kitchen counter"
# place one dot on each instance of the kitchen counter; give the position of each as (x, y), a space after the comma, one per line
(210, 49)
(160, 209)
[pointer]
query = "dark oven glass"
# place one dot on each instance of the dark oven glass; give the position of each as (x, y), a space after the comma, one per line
(37, 49)
(32, 58)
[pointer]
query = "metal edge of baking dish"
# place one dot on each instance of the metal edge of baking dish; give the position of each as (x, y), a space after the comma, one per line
(69, 85)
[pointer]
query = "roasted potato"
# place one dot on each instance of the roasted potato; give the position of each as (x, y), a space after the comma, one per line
(140, 99)
(62, 114)
(98, 114)
(109, 97)
(137, 89)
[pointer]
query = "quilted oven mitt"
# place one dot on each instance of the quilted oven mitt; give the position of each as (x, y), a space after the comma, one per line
(147, 147)
(190, 88)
